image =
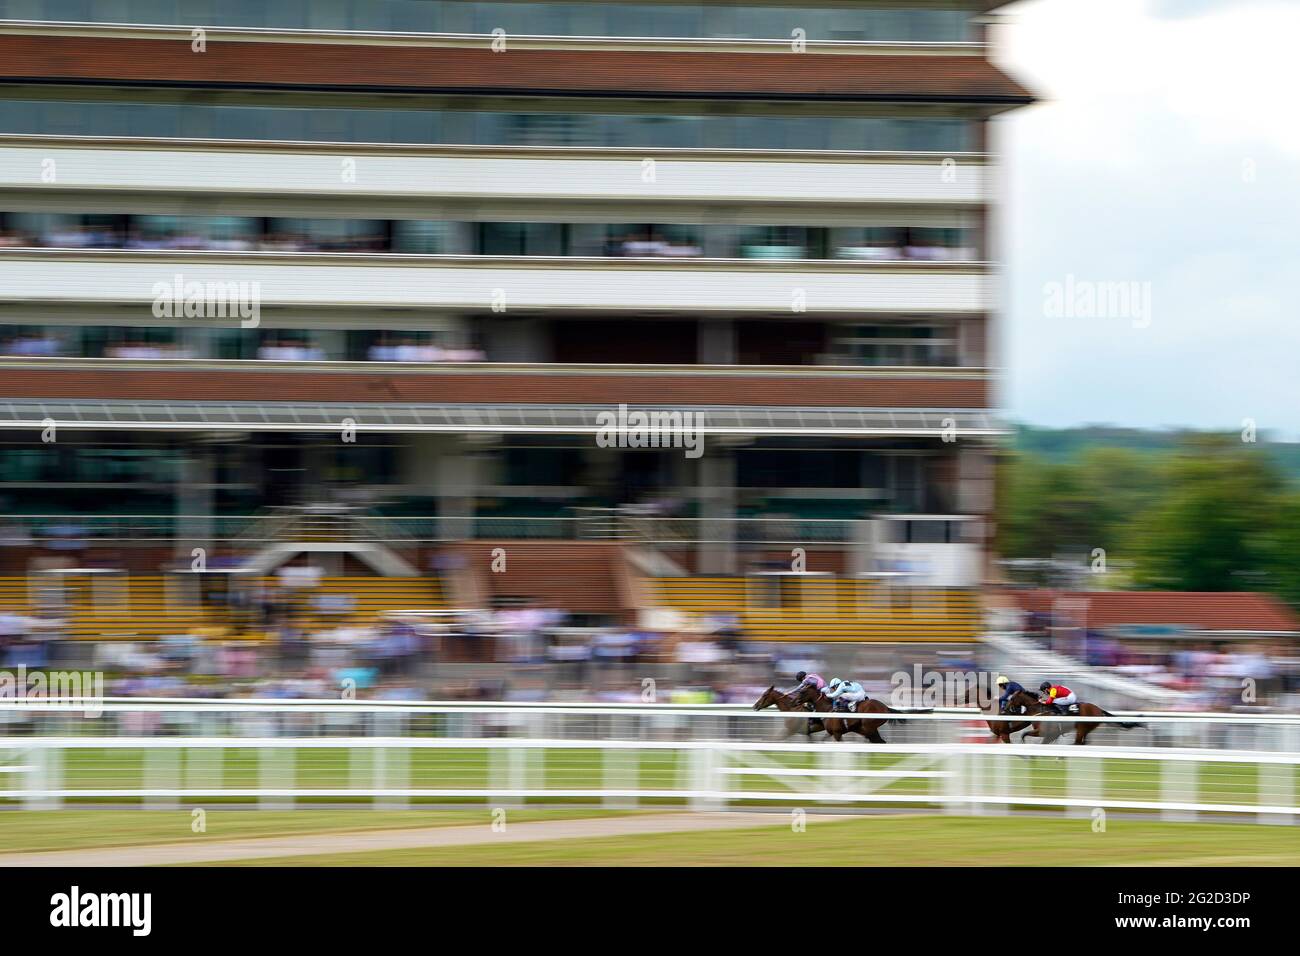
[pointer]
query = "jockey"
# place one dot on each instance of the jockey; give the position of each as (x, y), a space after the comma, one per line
(804, 679)
(1057, 696)
(1007, 688)
(846, 694)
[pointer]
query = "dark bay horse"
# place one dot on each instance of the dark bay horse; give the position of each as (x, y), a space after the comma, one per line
(1000, 729)
(837, 727)
(1003, 729)
(1048, 730)
(786, 702)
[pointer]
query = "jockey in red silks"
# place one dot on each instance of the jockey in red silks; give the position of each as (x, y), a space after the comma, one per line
(1057, 696)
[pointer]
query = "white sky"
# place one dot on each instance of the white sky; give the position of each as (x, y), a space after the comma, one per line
(1166, 149)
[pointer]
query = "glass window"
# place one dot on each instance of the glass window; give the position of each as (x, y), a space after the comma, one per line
(592, 18)
(775, 242)
(896, 343)
(421, 236)
(344, 123)
(521, 239)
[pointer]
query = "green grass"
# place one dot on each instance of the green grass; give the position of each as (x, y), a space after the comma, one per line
(44, 830)
(876, 840)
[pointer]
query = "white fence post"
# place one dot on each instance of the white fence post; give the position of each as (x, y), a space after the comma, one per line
(955, 784)
(43, 776)
(392, 771)
(620, 769)
(162, 772)
(705, 779)
(1276, 786)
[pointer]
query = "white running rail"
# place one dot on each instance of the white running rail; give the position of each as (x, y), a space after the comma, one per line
(277, 772)
(164, 753)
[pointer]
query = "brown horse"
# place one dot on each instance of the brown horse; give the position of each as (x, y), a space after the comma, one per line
(1049, 730)
(837, 727)
(1000, 729)
(786, 702)
(1003, 729)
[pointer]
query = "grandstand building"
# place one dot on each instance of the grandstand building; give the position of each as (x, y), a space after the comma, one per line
(359, 280)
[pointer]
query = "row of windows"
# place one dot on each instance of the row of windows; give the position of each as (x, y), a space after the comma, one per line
(161, 342)
(595, 18)
(207, 120)
(928, 343)
(555, 467)
(435, 237)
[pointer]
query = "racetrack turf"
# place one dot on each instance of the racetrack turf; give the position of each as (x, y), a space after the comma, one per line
(885, 840)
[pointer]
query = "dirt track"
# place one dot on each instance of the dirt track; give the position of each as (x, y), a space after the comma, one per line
(310, 844)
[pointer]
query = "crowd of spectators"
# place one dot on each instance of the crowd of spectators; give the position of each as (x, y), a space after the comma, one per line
(205, 234)
(272, 348)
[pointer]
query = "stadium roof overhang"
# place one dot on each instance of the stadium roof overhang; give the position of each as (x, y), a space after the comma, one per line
(386, 417)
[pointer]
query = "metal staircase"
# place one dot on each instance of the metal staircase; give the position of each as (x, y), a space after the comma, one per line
(1028, 662)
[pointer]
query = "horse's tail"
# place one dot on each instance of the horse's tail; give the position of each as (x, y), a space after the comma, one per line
(1122, 724)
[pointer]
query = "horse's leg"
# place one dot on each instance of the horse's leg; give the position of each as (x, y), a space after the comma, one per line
(840, 728)
(874, 734)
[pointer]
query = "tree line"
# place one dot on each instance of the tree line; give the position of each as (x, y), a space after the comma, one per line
(1191, 512)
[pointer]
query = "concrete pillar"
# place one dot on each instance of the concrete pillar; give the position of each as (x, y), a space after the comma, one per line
(456, 473)
(975, 476)
(194, 525)
(716, 494)
(976, 473)
(447, 469)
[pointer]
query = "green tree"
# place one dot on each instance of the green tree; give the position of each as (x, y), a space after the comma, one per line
(1208, 531)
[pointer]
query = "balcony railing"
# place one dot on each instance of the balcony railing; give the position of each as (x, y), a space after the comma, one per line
(240, 531)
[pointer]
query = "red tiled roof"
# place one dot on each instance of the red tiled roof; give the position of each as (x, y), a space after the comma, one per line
(1202, 610)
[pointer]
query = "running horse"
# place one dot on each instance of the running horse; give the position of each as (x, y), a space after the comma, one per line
(1048, 730)
(837, 727)
(1000, 729)
(786, 702)
(1003, 729)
